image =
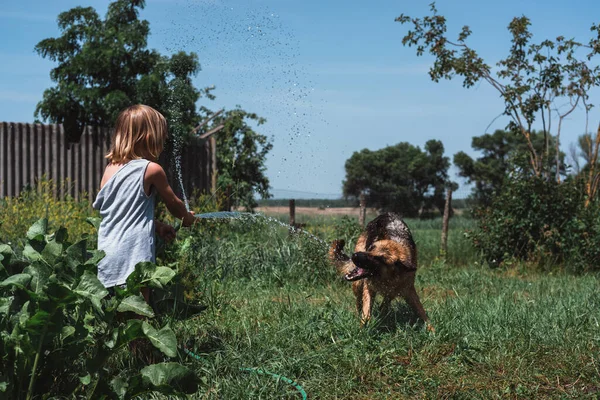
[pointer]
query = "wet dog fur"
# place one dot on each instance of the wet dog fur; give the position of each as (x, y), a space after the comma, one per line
(384, 262)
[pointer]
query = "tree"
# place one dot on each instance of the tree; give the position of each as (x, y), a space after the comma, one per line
(533, 80)
(105, 66)
(241, 156)
(503, 152)
(587, 148)
(400, 178)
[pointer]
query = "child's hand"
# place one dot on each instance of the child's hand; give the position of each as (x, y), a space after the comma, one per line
(189, 219)
(165, 231)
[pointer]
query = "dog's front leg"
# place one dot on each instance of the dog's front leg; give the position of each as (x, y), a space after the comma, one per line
(368, 298)
(357, 289)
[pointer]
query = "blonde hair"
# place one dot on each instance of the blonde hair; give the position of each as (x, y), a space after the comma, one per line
(140, 132)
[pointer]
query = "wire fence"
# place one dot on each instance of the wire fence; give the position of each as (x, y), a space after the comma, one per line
(461, 199)
(460, 194)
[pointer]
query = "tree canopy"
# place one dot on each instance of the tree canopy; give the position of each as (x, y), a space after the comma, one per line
(503, 152)
(241, 157)
(104, 65)
(540, 83)
(401, 178)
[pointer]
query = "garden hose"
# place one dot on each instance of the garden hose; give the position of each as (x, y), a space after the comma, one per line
(258, 371)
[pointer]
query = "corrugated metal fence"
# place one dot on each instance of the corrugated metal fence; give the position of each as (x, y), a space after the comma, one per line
(30, 151)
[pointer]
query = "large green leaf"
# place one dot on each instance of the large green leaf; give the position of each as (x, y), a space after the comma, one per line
(38, 230)
(6, 254)
(39, 276)
(162, 275)
(21, 317)
(91, 288)
(131, 331)
(52, 251)
(140, 275)
(17, 280)
(147, 274)
(61, 235)
(136, 304)
(31, 253)
(170, 374)
(97, 255)
(94, 221)
(5, 303)
(66, 331)
(76, 254)
(163, 339)
(119, 385)
(37, 322)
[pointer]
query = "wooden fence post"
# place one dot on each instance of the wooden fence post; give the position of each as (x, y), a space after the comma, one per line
(213, 161)
(292, 212)
(228, 198)
(444, 249)
(362, 216)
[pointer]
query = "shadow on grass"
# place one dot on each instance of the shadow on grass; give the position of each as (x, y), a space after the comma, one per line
(172, 303)
(399, 316)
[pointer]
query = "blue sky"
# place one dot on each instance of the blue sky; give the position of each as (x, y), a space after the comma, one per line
(331, 77)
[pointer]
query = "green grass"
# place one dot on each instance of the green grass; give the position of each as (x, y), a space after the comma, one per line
(276, 304)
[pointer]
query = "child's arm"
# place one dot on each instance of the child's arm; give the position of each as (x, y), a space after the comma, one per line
(155, 176)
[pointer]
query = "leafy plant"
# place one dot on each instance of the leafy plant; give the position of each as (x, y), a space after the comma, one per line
(59, 328)
(49, 198)
(241, 157)
(501, 152)
(535, 220)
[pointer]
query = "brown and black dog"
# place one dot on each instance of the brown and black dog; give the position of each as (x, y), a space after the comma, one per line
(384, 262)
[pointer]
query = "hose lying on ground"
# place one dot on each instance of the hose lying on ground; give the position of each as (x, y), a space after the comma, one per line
(258, 371)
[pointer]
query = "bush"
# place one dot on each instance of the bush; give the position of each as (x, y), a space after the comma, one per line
(59, 328)
(19, 213)
(541, 222)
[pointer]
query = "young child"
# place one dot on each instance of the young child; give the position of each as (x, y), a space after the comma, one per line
(127, 195)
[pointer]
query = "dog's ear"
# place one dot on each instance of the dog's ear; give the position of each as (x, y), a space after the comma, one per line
(336, 251)
(338, 245)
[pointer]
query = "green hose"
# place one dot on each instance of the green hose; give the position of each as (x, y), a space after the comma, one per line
(258, 371)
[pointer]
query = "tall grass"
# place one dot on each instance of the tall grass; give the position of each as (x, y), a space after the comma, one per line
(275, 304)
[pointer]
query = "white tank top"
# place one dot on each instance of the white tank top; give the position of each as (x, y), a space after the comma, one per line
(126, 233)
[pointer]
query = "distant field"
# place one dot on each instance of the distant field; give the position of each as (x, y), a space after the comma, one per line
(284, 211)
(338, 211)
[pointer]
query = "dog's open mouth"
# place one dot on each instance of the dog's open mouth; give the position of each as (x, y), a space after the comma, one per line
(358, 273)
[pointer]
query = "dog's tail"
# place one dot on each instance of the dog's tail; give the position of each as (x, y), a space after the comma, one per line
(339, 259)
